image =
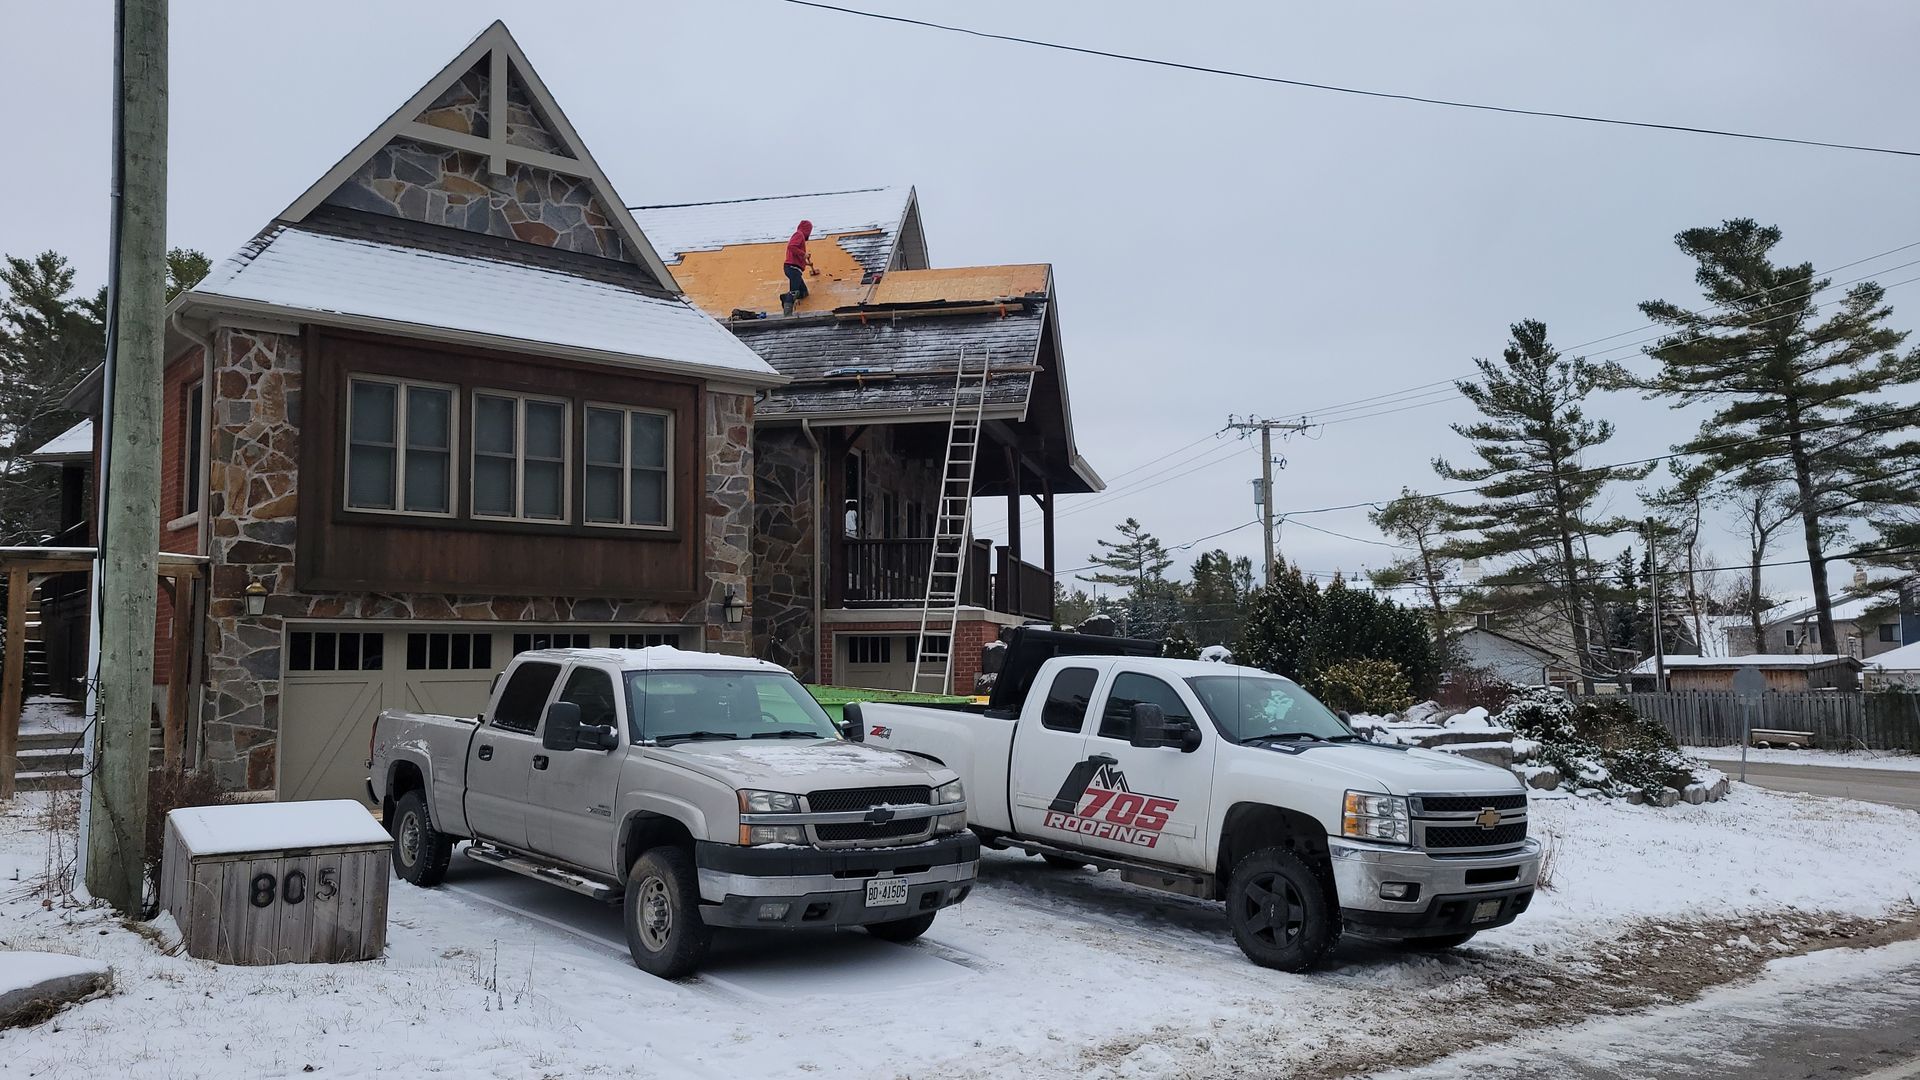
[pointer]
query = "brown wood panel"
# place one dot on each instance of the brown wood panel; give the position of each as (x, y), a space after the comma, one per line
(342, 550)
(14, 677)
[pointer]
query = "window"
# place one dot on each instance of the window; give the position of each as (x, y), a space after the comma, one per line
(869, 649)
(399, 447)
(855, 481)
(519, 457)
(1067, 699)
(528, 642)
(933, 648)
(193, 435)
(643, 641)
(629, 456)
(592, 690)
(449, 652)
(1130, 689)
(1889, 632)
(330, 650)
(525, 696)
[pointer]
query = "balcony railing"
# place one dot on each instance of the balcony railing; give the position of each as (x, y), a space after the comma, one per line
(893, 573)
(1021, 588)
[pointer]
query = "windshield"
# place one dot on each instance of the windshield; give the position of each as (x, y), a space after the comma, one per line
(1249, 707)
(673, 705)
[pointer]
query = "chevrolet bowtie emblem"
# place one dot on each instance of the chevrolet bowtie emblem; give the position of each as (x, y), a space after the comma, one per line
(1487, 818)
(879, 815)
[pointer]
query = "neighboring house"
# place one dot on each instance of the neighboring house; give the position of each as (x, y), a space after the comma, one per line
(447, 406)
(1896, 670)
(1509, 658)
(849, 453)
(1865, 624)
(1790, 671)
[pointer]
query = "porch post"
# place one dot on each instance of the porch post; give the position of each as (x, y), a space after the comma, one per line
(1046, 542)
(1013, 529)
(833, 461)
(13, 678)
(173, 735)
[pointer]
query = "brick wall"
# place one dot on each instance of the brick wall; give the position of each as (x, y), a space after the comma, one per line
(181, 377)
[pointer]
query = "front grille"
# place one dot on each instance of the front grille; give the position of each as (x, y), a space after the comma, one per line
(844, 799)
(1473, 836)
(867, 831)
(1447, 804)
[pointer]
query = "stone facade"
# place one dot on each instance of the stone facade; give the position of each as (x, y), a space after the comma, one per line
(783, 549)
(254, 506)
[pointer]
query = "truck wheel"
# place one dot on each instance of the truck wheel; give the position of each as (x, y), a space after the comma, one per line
(901, 929)
(665, 933)
(1435, 944)
(1277, 906)
(1061, 862)
(420, 851)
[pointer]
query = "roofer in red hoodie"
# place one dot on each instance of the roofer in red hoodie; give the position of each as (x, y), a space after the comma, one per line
(797, 261)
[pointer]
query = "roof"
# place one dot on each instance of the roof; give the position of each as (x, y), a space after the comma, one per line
(1904, 658)
(963, 284)
(73, 444)
(1761, 660)
(230, 830)
(655, 657)
(678, 228)
(1510, 639)
(317, 277)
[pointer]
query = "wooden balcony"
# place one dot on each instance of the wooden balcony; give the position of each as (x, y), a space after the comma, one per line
(1021, 588)
(893, 573)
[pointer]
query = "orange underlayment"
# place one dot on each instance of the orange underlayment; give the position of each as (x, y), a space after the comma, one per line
(750, 276)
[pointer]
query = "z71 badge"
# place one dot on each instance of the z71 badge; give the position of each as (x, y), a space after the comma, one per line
(1094, 801)
(881, 731)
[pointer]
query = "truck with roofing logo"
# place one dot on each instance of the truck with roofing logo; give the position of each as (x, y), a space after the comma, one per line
(1228, 783)
(699, 790)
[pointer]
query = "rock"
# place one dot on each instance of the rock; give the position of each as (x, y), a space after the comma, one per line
(1719, 789)
(35, 985)
(1666, 796)
(1544, 777)
(1694, 794)
(1636, 798)
(1492, 753)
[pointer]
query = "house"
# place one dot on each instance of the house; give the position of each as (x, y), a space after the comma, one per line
(1895, 670)
(1865, 624)
(1788, 671)
(849, 452)
(1509, 658)
(448, 405)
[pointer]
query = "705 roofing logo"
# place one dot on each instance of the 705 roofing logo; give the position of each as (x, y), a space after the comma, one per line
(1094, 801)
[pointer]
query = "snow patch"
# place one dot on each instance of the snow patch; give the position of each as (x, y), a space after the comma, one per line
(227, 830)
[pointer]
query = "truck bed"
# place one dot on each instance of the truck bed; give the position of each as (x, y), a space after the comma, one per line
(436, 744)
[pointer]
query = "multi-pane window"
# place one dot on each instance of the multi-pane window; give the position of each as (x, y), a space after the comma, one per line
(628, 457)
(452, 651)
(869, 649)
(643, 641)
(328, 650)
(933, 648)
(528, 642)
(519, 457)
(399, 447)
(193, 435)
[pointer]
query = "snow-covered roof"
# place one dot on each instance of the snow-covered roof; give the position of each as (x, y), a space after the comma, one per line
(1904, 658)
(1765, 660)
(676, 229)
(311, 275)
(1849, 609)
(228, 830)
(73, 444)
(655, 658)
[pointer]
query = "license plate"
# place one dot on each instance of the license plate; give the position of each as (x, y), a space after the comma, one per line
(886, 892)
(1484, 911)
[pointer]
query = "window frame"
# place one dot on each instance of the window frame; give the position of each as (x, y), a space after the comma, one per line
(520, 399)
(668, 424)
(402, 387)
(1086, 709)
(193, 441)
(1106, 705)
(540, 710)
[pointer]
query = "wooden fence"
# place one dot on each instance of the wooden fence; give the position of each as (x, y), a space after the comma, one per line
(1838, 719)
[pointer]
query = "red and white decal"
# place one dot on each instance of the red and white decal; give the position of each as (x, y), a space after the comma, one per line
(881, 731)
(1106, 810)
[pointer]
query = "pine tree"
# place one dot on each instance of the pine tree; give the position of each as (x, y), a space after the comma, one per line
(1217, 599)
(1071, 607)
(1138, 562)
(49, 340)
(1539, 503)
(1788, 384)
(1420, 525)
(1280, 625)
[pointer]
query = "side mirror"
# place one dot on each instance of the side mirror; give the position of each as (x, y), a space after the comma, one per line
(1151, 728)
(561, 731)
(853, 727)
(597, 737)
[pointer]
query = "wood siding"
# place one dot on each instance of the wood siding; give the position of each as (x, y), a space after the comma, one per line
(1839, 720)
(343, 550)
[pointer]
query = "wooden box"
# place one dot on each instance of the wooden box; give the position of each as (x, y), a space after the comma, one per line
(277, 883)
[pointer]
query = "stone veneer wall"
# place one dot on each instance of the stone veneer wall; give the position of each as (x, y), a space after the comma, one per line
(254, 501)
(783, 524)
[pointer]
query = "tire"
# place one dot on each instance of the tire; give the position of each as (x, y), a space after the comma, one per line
(665, 932)
(1061, 862)
(1435, 944)
(420, 851)
(1279, 907)
(902, 929)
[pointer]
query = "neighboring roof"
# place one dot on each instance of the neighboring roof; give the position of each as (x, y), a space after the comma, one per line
(73, 444)
(1849, 609)
(1510, 639)
(1904, 658)
(316, 277)
(678, 228)
(1760, 660)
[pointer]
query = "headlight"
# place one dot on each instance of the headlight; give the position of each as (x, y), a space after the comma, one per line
(769, 802)
(1381, 818)
(773, 834)
(950, 794)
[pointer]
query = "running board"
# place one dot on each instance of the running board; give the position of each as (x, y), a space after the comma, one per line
(539, 871)
(1150, 875)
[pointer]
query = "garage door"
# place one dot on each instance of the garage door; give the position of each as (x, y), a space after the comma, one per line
(339, 677)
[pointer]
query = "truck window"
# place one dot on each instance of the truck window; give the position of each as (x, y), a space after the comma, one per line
(1067, 700)
(524, 696)
(592, 690)
(1132, 688)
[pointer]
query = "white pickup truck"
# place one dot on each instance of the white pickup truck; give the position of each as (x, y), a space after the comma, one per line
(1226, 783)
(700, 790)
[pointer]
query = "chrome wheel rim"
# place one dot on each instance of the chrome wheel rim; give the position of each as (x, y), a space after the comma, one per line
(654, 914)
(410, 839)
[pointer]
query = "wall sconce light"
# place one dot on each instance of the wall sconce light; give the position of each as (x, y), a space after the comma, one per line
(256, 598)
(733, 606)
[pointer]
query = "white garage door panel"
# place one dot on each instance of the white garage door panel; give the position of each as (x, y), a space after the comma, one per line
(325, 724)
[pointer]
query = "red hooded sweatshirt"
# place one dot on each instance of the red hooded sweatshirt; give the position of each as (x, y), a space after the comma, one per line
(797, 247)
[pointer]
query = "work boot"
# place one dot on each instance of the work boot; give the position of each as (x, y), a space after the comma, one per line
(786, 303)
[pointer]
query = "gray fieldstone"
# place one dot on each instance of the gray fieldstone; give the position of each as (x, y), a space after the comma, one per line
(51, 981)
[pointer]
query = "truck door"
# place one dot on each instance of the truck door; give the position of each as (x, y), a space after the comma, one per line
(501, 760)
(1145, 802)
(1047, 753)
(574, 795)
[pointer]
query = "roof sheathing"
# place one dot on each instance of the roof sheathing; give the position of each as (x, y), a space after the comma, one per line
(679, 228)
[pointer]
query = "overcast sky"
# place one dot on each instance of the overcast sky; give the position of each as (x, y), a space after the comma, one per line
(1219, 246)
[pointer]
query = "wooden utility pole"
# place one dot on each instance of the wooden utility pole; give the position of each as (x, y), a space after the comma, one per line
(125, 572)
(1265, 428)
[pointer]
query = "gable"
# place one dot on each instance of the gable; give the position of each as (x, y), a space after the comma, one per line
(484, 148)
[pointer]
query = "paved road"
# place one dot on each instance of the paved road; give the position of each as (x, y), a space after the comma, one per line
(1888, 786)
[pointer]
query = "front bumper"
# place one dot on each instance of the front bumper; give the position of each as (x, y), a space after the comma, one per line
(1451, 891)
(806, 887)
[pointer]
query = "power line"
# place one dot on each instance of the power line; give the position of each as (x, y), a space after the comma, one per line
(1355, 91)
(1458, 587)
(1355, 539)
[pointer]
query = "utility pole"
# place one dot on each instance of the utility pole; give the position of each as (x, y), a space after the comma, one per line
(1653, 587)
(1264, 496)
(126, 566)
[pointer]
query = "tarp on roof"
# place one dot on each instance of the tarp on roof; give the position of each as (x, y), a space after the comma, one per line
(306, 272)
(73, 444)
(677, 229)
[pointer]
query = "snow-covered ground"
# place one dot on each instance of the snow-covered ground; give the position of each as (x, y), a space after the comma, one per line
(1041, 972)
(1894, 760)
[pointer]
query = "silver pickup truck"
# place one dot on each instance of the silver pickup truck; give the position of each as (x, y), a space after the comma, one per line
(701, 790)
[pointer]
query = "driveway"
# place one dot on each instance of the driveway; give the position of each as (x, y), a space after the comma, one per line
(1886, 786)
